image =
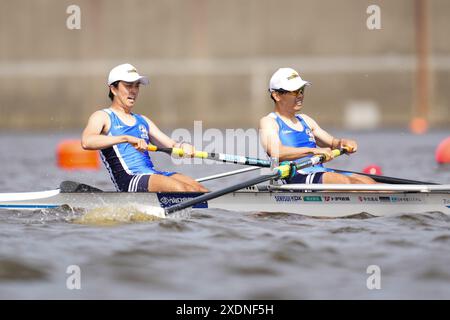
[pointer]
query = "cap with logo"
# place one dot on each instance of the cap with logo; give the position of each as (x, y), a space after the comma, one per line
(287, 79)
(126, 72)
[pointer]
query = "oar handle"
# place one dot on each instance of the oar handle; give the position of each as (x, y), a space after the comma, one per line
(286, 170)
(177, 151)
(180, 153)
(321, 158)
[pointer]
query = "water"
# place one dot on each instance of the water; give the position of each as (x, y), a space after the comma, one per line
(216, 254)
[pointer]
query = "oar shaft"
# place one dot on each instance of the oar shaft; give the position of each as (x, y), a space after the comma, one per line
(218, 193)
(229, 158)
(282, 171)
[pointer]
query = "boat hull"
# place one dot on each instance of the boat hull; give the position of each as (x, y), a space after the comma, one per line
(315, 204)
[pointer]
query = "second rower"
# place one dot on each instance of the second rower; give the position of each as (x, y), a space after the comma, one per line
(288, 136)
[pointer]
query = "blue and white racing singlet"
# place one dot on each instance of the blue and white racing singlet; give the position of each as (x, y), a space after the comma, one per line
(129, 169)
(124, 157)
(291, 137)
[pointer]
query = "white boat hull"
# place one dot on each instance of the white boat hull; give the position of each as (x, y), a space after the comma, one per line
(315, 203)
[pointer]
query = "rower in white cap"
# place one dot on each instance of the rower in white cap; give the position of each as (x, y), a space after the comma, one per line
(288, 136)
(123, 136)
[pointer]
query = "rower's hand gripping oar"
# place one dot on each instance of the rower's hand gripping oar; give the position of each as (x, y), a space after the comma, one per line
(215, 156)
(279, 172)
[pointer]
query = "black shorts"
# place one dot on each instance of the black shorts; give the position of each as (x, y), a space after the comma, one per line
(136, 183)
(310, 178)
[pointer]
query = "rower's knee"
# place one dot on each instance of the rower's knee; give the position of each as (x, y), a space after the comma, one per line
(335, 178)
(345, 179)
(185, 187)
(160, 183)
(357, 178)
(193, 185)
(190, 188)
(199, 188)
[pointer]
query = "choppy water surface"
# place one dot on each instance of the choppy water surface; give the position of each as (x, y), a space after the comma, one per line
(216, 254)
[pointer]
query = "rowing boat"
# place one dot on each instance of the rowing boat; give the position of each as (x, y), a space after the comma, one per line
(309, 200)
(317, 200)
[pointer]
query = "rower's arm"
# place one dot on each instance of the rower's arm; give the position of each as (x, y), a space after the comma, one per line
(159, 138)
(93, 137)
(324, 139)
(273, 146)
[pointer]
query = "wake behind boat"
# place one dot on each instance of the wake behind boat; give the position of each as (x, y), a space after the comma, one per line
(330, 201)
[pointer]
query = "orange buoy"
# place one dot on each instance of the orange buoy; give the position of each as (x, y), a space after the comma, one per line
(71, 156)
(373, 169)
(418, 125)
(443, 151)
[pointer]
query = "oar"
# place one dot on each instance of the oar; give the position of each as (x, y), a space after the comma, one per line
(385, 179)
(215, 156)
(279, 172)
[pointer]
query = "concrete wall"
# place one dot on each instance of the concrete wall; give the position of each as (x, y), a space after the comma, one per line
(211, 60)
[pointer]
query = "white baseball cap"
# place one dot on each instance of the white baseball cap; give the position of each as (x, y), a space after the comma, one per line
(287, 79)
(126, 72)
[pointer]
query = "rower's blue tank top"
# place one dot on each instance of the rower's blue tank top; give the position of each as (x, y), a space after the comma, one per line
(124, 157)
(291, 137)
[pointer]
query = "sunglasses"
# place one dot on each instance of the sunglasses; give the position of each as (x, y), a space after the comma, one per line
(294, 93)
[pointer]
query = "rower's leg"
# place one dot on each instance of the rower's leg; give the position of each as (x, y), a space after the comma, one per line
(160, 183)
(335, 178)
(357, 178)
(190, 181)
